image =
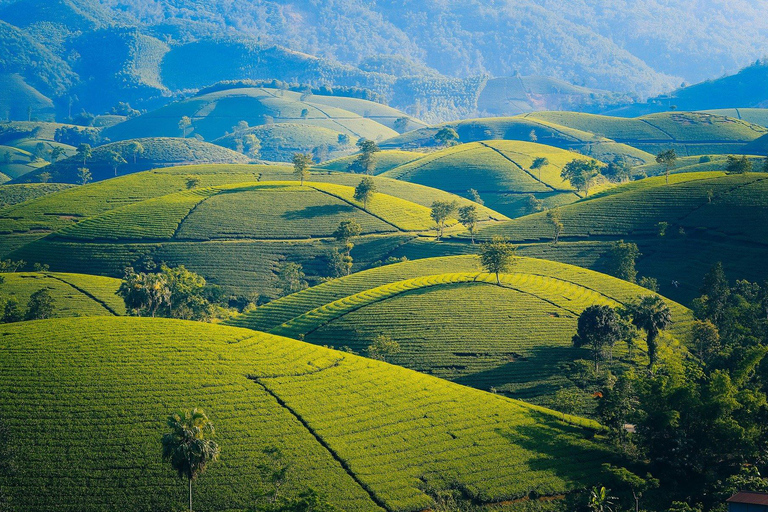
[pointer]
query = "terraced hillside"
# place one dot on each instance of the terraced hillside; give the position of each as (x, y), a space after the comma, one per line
(14, 194)
(237, 236)
(151, 153)
(384, 161)
(216, 114)
(709, 217)
(515, 338)
(410, 431)
(524, 129)
(73, 294)
(757, 116)
(690, 133)
(499, 170)
(15, 162)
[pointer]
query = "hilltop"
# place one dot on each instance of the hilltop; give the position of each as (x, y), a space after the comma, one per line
(264, 391)
(514, 338)
(682, 229)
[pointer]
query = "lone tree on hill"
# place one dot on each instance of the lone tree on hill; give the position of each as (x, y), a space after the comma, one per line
(301, 165)
(539, 163)
(44, 177)
(621, 260)
(441, 210)
(447, 136)
(468, 217)
(581, 174)
(184, 123)
(554, 218)
(56, 153)
(187, 446)
(134, 150)
(736, 165)
(497, 256)
(365, 190)
(473, 195)
(40, 305)
(115, 160)
(652, 315)
(84, 176)
(365, 163)
(598, 327)
(290, 279)
(252, 145)
(345, 233)
(668, 159)
(85, 152)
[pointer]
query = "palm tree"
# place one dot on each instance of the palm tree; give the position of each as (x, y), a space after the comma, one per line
(186, 446)
(652, 315)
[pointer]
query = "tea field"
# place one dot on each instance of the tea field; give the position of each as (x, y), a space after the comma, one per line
(118, 378)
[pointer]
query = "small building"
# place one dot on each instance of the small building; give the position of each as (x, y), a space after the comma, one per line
(747, 501)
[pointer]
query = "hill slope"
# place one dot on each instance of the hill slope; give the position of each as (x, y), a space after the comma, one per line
(515, 338)
(261, 391)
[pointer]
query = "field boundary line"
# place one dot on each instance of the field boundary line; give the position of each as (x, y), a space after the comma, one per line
(371, 494)
(522, 168)
(382, 219)
(86, 293)
(190, 212)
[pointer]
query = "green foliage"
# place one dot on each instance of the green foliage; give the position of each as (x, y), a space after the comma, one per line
(554, 218)
(497, 256)
(365, 190)
(301, 164)
(581, 174)
(172, 293)
(440, 213)
(622, 257)
(447, 136)
(382, 347)
(366, 161)
(468, 218)
(40, 305)
(651, 314)
(598, 327)
(290, 279)
(84, 176)
(738, 165)
(668, 159)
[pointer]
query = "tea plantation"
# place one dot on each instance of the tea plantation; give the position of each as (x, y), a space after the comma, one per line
(515, 338)
(367, 435)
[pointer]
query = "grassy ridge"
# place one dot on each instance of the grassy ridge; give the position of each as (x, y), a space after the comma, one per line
(256, 388)
(73, 294)
(517, 346)
(385, 161)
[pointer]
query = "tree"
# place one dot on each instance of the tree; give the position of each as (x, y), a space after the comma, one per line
(473, 195)
(468, 218)
(554, 218)
(114, 159)
(497, 256)
(401, 124)
(144, 293)
(765, 165)
(736, 165)
(186, 294)
(184, 123)
(447, 136)
(652, 315)
(715, 292)
(12, 311)
(345, 233)
(187, 446)
(441, 211)
(44, 177)
(40, 305)
(539, 163)
(134, 150)
(365, 190)
(706, 339)
(621, 260)
(85, 152)
(301, 164)
(56, 153)
(598, 327)
(193, 182)
(600, 500)
(290, 279)
(382, 347)
(581, 174)
(618, 170)
(252, 145)
(84, 176)
(366, 160)
(534, 204)
(533, 137)
(668, 159)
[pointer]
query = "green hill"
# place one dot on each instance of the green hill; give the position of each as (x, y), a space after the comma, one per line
(499, 170)
(157, 152)
(385, 161)
(758, 116)
(411, 432)
(237, 236)
(14, 194)
(215, 114)
(515, 338)
(15, 162)
(690, 133)
(73, 294)
(709, 217)
(19, 97)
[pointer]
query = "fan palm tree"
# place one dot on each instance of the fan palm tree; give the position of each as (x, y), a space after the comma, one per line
(652, 315)
(186, 446)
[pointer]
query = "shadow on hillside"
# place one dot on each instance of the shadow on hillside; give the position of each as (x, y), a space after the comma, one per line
(311, 212)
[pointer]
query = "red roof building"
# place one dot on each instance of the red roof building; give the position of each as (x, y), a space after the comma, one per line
(747, 501)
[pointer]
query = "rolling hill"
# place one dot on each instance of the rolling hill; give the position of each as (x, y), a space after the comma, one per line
(682, 229)
(515, 339)
(74, 295)
(499, 170)
(156, 152)
(274, 402)
(690, 133)
(15, 194)
(216, 114)
(384, 161)
(236, 235)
